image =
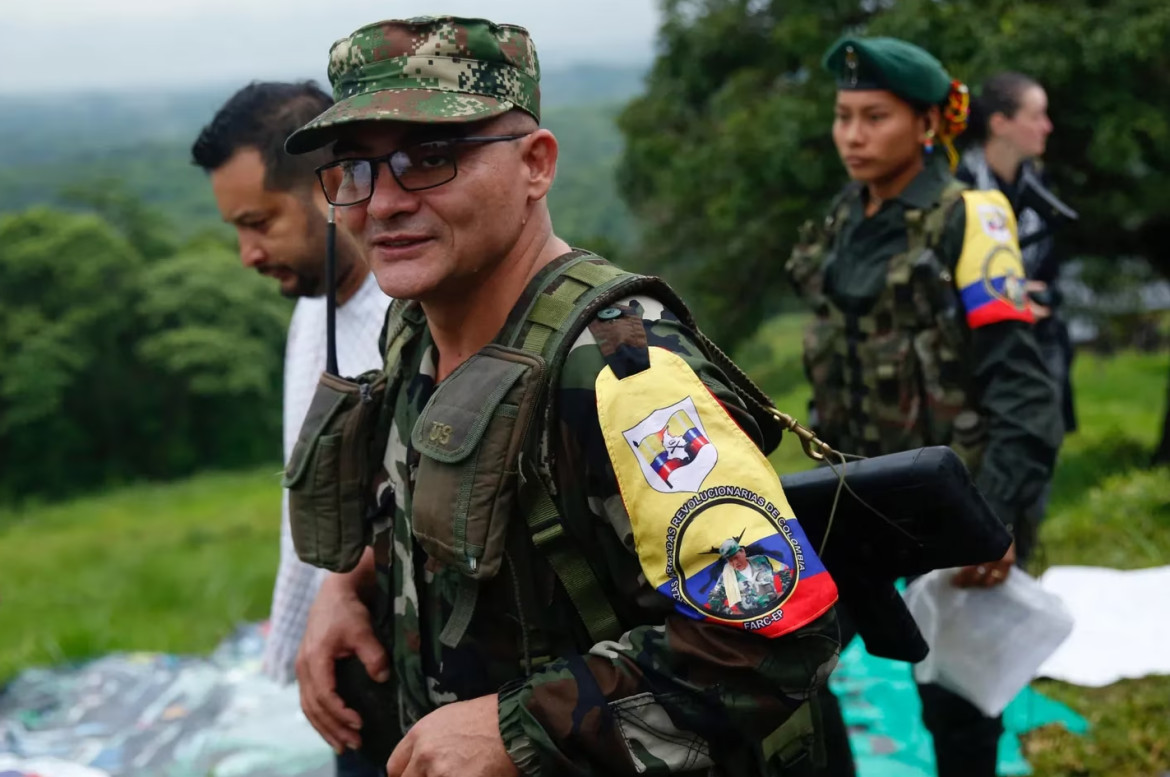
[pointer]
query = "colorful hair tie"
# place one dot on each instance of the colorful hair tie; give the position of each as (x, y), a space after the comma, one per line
(954, 119)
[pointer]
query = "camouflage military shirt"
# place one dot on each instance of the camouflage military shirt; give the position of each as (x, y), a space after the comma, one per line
(672, 695)
(1011, 387)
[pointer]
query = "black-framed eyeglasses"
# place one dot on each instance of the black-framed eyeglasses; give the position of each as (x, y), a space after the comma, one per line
(415, 167)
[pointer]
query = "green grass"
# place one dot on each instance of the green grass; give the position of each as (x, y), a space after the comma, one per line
(1107, 510)
(161, 567)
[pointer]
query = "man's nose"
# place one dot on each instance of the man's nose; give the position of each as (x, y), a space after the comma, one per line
(252, 254)
(389, 198)
(853, 135)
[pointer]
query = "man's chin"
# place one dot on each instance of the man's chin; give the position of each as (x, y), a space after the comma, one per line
(297, 288)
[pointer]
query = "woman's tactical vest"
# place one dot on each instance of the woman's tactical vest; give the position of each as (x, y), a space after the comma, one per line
(893, 378)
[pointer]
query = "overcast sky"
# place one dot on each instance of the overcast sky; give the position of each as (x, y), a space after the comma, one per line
(56, 45)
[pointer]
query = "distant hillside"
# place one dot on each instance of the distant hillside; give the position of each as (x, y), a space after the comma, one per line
(142, 141)
(37, 129)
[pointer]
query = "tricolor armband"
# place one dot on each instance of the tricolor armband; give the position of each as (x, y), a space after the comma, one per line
(990, 273)
(712, 528)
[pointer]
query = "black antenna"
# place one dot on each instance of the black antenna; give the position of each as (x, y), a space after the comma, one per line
(331, 295)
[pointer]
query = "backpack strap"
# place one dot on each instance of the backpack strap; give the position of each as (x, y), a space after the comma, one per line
(565, 296)
(567, 302)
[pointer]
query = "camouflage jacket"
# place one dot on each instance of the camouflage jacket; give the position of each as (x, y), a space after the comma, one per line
(672, 695)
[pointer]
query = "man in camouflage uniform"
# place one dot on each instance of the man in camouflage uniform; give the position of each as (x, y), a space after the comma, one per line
(747, 583)
(443, 170)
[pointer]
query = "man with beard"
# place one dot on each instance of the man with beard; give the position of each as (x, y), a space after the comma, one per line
(276, 206)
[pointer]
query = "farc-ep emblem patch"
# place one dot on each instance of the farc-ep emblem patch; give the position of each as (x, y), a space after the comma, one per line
(712, 527)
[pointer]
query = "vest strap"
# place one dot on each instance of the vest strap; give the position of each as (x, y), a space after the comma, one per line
(585, 592)
(465, 599)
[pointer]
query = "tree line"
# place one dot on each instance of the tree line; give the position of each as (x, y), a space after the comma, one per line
(124, 355)
(728, 150)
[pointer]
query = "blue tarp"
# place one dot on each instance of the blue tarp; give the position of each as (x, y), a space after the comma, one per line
(883, 713)
(156, 715)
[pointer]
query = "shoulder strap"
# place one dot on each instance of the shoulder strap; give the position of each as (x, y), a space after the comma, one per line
(935, 220)
(404, 320)
(566, 303)
(565, 296)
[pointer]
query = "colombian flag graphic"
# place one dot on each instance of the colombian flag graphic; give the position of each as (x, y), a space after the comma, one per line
(990, 273)
(673, 446)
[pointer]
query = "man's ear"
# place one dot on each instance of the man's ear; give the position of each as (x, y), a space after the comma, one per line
(540, 162)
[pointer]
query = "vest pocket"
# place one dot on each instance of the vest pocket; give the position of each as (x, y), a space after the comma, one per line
(327, 476)
(825, 367)
(470, 436)
(889, 367)
(941, 382)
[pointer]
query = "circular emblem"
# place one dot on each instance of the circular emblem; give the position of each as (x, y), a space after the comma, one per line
(1003, 262)
(734, 559)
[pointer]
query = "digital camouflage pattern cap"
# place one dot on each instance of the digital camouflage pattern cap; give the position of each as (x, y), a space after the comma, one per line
(427, 69)
(891, 64)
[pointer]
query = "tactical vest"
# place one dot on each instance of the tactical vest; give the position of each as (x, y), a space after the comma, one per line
(561, 302)
(894, 378)
(486, 439)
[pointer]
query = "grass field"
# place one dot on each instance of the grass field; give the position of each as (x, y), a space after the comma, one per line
(175, 567)
(160, 567)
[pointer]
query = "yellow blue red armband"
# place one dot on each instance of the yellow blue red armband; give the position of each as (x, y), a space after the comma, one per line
(990, 273)
(712, 527)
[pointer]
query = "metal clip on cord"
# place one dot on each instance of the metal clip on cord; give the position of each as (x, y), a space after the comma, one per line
(817, 450)
(814, 447)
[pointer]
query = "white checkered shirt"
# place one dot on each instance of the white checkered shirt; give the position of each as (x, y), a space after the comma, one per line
(359, 322)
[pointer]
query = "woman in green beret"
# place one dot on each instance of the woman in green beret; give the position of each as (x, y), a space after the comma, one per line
(921, 334)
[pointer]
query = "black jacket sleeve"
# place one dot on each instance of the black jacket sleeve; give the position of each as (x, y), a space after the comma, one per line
(1016, 397)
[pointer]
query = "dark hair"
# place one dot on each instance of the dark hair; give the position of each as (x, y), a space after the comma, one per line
(1001, 93)
(261, 116)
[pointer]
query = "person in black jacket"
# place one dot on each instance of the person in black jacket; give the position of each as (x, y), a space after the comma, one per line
(1010, 128)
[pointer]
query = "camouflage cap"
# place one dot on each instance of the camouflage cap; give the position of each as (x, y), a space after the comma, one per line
(426, 70)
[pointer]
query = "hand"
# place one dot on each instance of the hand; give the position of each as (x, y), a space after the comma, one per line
(986, 575)
(457, 740)
(338, 626)
(1038, 311)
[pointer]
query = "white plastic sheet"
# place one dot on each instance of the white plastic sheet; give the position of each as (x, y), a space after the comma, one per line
(986, 643)
(44, 767)
(1122, 624)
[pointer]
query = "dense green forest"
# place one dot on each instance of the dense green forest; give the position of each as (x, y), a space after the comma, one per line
(131, 344)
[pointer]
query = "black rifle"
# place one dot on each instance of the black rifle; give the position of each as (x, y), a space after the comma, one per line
(918, 511)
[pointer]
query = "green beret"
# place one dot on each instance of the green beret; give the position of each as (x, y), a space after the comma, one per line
(891, 64)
